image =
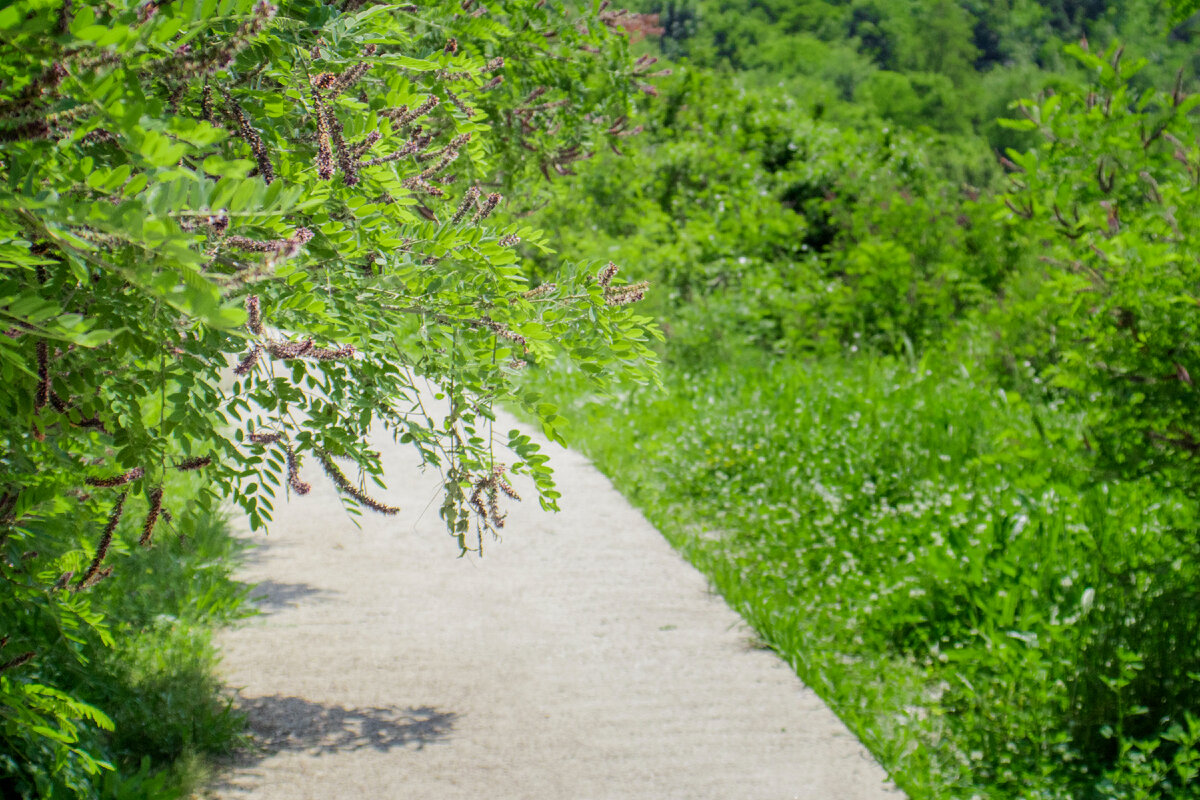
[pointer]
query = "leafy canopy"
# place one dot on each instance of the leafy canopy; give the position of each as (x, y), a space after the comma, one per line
(313, 194)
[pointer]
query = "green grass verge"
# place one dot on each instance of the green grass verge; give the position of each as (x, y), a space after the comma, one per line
(924, 548)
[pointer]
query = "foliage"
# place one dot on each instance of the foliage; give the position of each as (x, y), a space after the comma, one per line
(1113, 190)
(136, 687)
(760, 226)
(962, 61)
(1183, 9)
(297, 191)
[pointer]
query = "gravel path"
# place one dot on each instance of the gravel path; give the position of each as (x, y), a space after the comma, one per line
(580, 659)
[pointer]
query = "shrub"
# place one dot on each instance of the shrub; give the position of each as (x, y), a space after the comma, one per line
(1111, 190)
(766, 227)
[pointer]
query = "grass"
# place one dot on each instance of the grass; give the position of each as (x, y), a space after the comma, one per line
(158, 682)
(148, 663)
(920, 545)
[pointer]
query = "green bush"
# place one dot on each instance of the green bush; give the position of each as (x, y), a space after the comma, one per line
(761, 226)
(1111, 190)
(145, 664)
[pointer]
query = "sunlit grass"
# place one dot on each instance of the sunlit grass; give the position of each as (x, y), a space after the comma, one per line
(923, 547)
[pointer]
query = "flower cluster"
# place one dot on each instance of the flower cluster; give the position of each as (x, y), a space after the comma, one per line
(293, 466)
(625, 295)
(489, 487)
(359, 150)
(324, 138)
(279, 248)
(94, 574)
(501, 331)
(206, 106)
(193, 463)
(605, 276)
(156, 496)
(254, 315)
(455, 144)
(468, 202)
(402, 116)
(290, 350)
(16, 661)
(251, 136)
(487, 208)
(539, 291)
(116, 480)
(346, 487)
(619, 295)
(418, 142)
(448, 158)
(333, 85)
(42, 351)
(248, 361)
(418, 183)
(459, 103)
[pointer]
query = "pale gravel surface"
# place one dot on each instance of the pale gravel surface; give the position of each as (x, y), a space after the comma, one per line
(580, 659)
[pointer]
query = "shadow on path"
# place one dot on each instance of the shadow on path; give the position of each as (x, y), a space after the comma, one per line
(293, 723)
(278, 723)
(272, 596)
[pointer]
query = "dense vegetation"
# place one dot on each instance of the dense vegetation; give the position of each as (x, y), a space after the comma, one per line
(234, 237)
(929, 419)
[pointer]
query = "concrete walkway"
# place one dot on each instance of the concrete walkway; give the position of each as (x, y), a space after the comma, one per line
(580, 659)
